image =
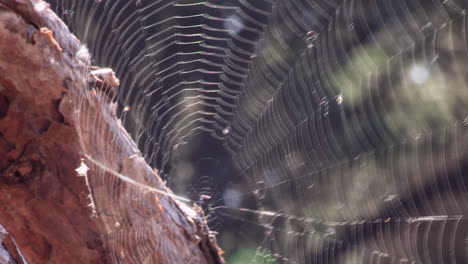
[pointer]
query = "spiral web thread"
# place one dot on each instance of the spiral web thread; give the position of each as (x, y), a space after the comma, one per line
(345, 119)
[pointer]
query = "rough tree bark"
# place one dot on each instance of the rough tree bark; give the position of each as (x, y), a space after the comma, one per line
(44, 205)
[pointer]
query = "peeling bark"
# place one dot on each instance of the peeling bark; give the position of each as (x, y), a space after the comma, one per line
(44, 203)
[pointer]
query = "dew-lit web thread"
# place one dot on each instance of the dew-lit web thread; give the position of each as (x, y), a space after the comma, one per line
(127, 209)
(278, 139)
(196, 89)
(291, 154)
(130, 210)
(80, 18)
(150, 85)
(117, 205)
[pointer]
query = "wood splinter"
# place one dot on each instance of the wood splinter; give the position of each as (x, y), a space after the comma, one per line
(104, 80)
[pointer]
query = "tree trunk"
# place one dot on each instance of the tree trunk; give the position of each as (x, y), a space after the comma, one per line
(54, 128)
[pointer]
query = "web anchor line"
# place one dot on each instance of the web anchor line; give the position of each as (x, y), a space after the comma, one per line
(135, 183)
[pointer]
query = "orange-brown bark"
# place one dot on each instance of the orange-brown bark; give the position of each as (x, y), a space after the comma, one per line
(44, 203)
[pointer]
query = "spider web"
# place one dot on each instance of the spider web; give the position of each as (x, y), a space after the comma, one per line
(310, 131)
